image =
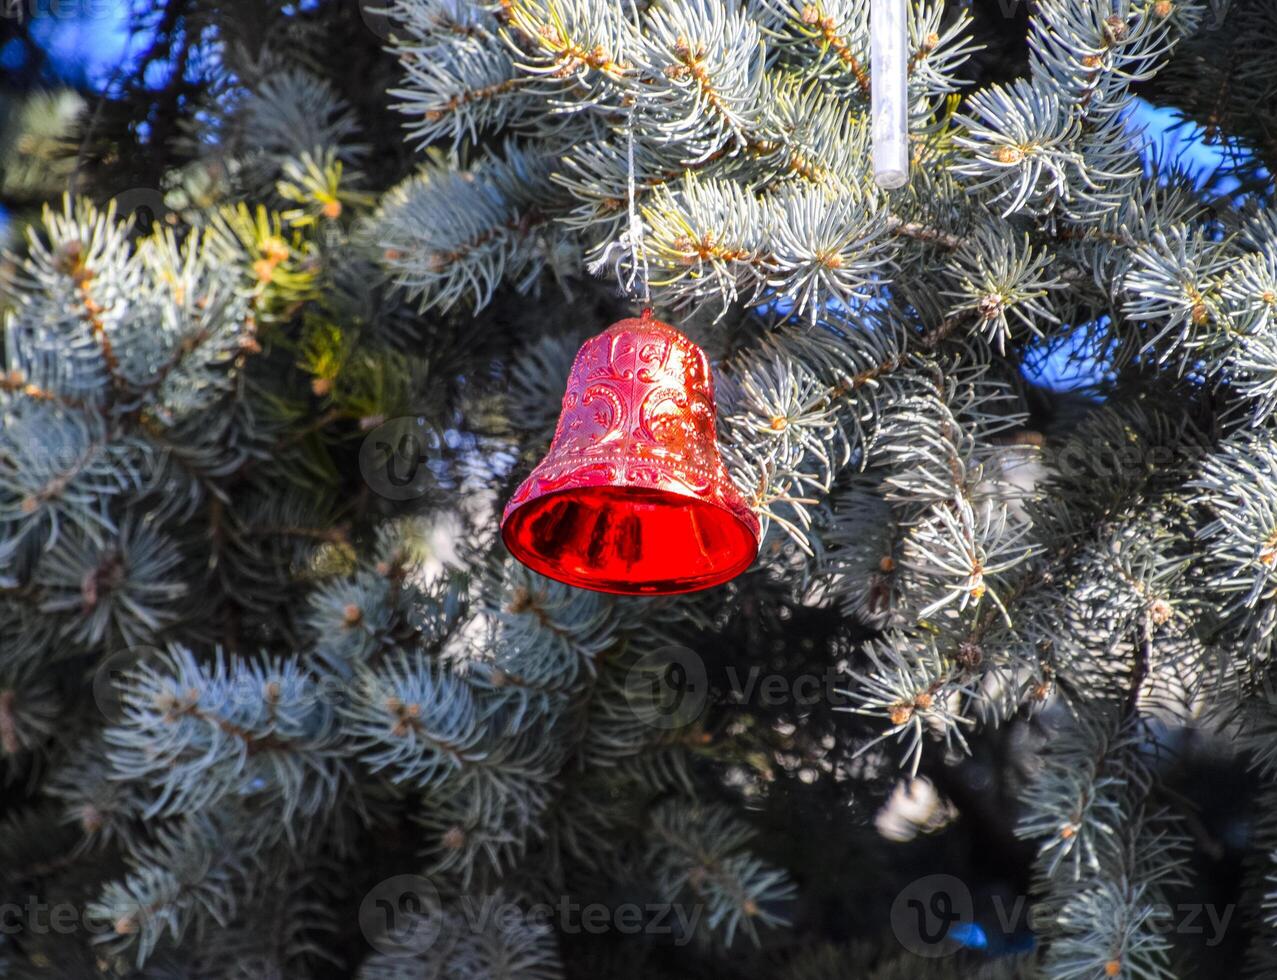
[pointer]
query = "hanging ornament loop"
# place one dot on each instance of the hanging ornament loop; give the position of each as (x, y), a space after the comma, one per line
(633, 497)
(630, 244)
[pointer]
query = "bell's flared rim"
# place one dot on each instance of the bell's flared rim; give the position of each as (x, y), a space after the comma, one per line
(738, 529)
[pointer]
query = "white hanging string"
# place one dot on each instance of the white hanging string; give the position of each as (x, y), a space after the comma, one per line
(639, 256)
(630, 241)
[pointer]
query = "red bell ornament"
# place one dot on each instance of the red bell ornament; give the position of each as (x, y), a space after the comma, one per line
(633, 497)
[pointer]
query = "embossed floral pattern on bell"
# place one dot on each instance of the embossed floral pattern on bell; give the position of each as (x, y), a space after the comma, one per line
(633, 496)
